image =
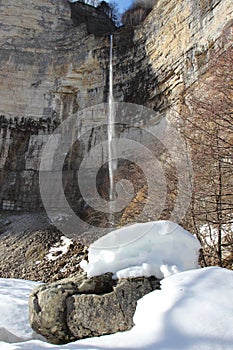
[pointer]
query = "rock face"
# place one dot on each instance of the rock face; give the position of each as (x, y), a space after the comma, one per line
(51, 68)
(77, 307)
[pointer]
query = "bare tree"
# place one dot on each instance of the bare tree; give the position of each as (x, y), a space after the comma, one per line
(207, 124)
(111, 10)
(137, 12)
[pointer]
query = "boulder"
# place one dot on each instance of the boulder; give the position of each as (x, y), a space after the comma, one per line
(78, 307)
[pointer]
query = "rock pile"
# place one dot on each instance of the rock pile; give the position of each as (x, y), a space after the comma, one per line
(25, 243)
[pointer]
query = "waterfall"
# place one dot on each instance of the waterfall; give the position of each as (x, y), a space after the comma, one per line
(112, 161)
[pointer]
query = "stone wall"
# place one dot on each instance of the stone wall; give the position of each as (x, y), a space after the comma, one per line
(50, 69)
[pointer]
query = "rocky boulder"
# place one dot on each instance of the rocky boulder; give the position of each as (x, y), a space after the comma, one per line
(78, 307)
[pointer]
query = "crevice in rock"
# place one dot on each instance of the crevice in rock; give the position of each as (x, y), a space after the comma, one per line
(36, 304)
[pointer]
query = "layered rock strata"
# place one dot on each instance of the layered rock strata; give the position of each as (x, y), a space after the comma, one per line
(51, 68)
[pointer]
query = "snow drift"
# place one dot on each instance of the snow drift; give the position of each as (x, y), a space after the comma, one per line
(158, 248)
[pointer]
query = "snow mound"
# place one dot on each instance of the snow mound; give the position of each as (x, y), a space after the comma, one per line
(9, 337)
(193, 310)
(158, 248)
(14, 325)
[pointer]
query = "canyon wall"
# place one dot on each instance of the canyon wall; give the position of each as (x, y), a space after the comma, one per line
(52, 68)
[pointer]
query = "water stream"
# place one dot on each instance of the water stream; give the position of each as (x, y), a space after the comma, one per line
(112, 161)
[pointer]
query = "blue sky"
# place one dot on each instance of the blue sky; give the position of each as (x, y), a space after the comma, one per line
(123, 4)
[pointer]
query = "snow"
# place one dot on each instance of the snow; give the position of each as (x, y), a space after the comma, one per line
(192, 311)
(210, 236)
(210, 233)
(57, 250)
(14, 325)
(159, 248)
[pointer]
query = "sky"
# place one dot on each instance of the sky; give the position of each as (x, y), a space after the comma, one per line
(122, 4)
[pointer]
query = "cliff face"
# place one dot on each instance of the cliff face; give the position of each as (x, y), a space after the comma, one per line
(50, 69)
(181, 37)
(42, 58)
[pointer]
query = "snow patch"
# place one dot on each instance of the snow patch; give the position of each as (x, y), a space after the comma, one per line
(59, 249)
(14, 325)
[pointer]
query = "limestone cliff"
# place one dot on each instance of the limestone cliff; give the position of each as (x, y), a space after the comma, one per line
(51, 68)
